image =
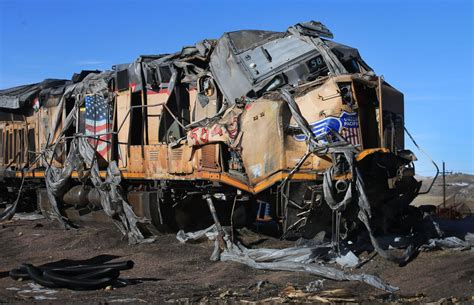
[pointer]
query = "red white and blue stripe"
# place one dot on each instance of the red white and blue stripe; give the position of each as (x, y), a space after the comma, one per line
(98, 123)
(347, 125)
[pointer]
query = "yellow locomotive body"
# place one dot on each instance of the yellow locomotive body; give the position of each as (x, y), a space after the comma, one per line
(260, 117)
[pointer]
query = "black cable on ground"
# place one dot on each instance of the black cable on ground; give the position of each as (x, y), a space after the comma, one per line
(76, 277)
(75, 283)
(36, 275)
(88, 268)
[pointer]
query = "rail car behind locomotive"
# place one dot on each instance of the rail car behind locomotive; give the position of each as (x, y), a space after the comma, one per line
(288, 127)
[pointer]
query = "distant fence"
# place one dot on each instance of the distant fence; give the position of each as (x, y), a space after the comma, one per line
(453, 208)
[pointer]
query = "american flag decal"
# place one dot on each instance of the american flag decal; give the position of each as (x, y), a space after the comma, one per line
(98, 123)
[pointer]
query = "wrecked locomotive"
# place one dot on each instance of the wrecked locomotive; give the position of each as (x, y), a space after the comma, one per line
(284, 128)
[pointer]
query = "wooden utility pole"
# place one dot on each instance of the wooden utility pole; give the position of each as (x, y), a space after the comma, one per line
(444, 186)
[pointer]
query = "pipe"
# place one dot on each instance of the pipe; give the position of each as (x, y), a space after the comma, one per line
(341, 186)
(106, 272)
(79, 277)
(94, 198)
(19, 273)
(36, 275)
(76, 283)
(78, 269)
(77, 196)
(88, 268)
(81, 195)
(220, 231)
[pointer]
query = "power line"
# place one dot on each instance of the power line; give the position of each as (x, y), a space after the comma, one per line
(451, 170)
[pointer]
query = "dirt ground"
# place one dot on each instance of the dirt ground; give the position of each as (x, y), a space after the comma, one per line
(167, 271)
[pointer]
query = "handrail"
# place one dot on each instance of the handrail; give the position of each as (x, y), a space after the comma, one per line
(423, 152)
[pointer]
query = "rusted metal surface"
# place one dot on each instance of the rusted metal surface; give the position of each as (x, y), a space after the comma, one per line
(253, 116)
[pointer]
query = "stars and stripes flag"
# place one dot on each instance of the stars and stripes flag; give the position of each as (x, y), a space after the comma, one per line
(351, 135)
(350, 127)
(98, 123)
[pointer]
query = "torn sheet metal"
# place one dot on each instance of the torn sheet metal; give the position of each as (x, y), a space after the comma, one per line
(225, 129)
(365, 213)
(247, 63)
(113, 203)
(18, 97)
(81, 158)
(297, 259)
(28, 216)
(451, 242)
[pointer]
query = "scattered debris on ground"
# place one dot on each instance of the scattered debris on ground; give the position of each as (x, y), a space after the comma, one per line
(169, 271)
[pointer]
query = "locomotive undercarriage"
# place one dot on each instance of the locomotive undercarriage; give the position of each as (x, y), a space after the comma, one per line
(290, 209)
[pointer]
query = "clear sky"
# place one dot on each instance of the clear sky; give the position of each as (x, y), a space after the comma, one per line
(423, 48)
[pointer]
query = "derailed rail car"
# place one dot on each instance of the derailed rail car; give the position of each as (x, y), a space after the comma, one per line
(288, 128)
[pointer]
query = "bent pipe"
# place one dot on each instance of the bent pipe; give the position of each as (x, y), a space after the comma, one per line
(37, 275)
(100, 273)
(89, 268)
(79, 269)
(341, 186)
(22, 273)
(76, 283)
(82, 277)
(19, 273)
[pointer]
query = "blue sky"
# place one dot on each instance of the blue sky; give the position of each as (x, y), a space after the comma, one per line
(423, 48)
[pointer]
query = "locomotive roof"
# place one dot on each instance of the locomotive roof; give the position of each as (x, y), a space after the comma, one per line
(242, 62)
